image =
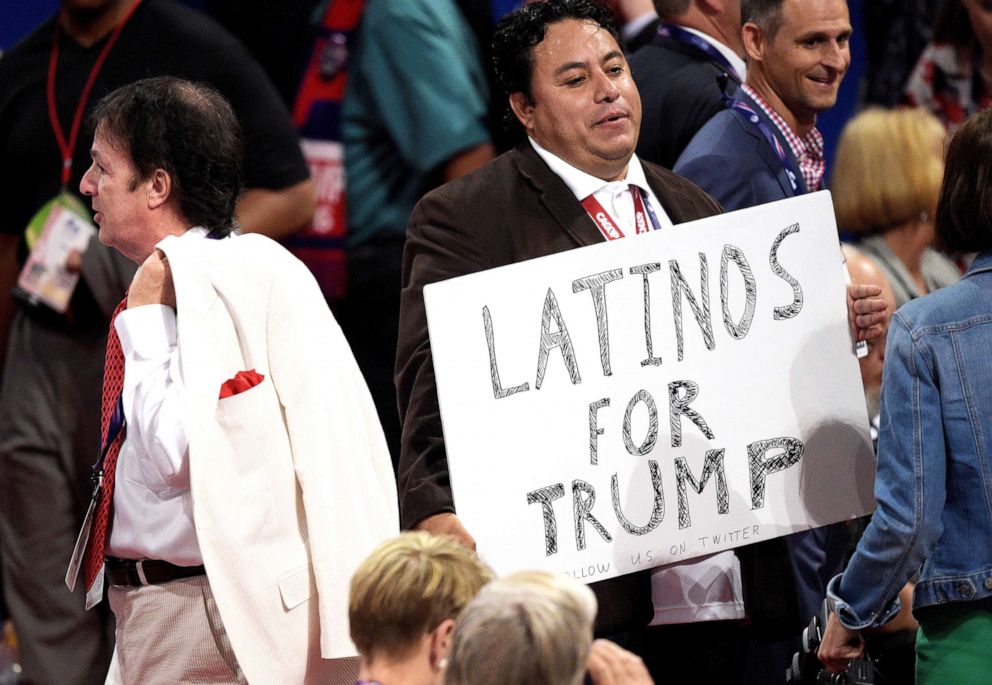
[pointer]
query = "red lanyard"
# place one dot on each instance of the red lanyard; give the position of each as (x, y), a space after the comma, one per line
(610, 228)
(67, 147)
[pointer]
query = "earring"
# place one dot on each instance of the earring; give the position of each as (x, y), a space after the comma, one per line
(442, 664)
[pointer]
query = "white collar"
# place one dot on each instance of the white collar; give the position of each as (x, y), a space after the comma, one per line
(195, 231)
(735, 60)
(637, 24)
(582, 184)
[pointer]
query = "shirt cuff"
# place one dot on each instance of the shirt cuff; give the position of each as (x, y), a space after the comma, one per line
(848, 617)
(146, 332)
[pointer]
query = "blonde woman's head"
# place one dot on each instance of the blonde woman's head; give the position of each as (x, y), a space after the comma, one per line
(888, 169)
(406, 588)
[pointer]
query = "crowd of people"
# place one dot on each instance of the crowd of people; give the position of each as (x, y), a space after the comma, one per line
(256, 455)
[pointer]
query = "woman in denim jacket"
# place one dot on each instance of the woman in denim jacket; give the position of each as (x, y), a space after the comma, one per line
(934, 480)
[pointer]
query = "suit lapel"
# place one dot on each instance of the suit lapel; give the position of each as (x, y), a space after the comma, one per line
(768, 154)
(556, 197)
(676, 195)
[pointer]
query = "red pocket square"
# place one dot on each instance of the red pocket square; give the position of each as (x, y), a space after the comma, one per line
(244, 380)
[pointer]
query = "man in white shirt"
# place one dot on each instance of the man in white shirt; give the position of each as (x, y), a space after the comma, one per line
(574, 182)
(244, 474)
(691, 64)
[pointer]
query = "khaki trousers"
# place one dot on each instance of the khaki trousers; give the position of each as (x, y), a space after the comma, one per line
(170, 633)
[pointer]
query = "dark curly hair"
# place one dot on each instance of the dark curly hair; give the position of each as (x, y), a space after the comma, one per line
(189, 130)
(518, 32)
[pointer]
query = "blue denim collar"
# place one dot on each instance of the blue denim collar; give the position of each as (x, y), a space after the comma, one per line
(983, 262)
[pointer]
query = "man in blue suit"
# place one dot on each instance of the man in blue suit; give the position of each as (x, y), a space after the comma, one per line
(765, 147)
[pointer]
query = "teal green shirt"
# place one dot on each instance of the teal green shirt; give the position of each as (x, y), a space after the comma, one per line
(417, 96)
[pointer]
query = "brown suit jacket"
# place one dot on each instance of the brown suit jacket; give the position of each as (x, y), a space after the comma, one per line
(514, 208)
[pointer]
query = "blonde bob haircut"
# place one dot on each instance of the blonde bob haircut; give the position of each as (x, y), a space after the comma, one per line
(532, 628)
(406, 588)
(888, 169)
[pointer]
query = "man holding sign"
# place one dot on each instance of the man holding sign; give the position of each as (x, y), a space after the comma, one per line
(574, 182)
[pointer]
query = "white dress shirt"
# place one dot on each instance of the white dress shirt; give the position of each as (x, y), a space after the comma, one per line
(614, 196)
(153, 509)
(707, 589)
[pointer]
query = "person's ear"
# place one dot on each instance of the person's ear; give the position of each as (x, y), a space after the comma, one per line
(754, 42)
(523, 109)
(159, 188)
(441, 643)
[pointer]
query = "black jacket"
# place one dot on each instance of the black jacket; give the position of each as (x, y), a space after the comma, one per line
(680, 88)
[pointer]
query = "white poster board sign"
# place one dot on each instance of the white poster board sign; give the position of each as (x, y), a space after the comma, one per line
(652, 399)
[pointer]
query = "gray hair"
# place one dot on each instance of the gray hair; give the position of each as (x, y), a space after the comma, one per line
(531, 628)
(765, 14)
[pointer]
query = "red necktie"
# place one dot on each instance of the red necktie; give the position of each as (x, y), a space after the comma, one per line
(113, 383)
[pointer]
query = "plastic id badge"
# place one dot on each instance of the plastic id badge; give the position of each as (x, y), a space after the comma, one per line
(56, 231)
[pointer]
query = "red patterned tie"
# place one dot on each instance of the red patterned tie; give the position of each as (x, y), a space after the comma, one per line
(113, 383)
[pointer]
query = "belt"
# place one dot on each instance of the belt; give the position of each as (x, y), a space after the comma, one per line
(135, 572)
